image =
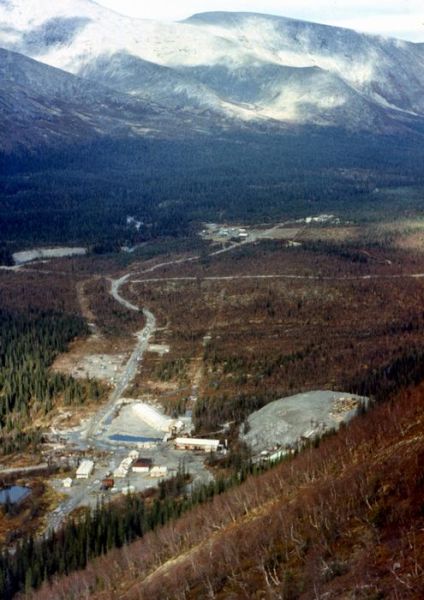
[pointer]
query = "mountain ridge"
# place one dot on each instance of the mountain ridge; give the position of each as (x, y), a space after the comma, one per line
(70, 109)
(239, 69)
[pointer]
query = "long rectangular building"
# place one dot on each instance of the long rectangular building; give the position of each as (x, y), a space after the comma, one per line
(202, 444)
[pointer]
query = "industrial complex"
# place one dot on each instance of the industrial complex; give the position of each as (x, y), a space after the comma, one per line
(137, 446)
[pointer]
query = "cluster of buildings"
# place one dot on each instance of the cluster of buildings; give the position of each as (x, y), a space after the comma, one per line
(322, 219)
(232, 232)
(136, 464)
(140, 465)
(224, 232)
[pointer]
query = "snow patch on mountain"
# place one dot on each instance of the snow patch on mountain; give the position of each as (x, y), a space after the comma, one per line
(44, 105)
(242, 66)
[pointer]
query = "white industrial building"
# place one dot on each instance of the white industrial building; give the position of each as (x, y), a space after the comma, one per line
(155, 419)
(85, 469)
(205, 445)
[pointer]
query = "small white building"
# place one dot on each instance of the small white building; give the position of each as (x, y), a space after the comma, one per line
(204, 445)
(124, 467)
(142, 465)
(85, 469)
(67, 483)
(159, 471)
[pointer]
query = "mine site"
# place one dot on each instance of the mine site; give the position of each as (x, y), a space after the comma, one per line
(189, 368)
(131, 443)
(211, 300)
(173, 396)
(159, 364)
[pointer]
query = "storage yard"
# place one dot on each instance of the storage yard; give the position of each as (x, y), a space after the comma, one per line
(99, 366)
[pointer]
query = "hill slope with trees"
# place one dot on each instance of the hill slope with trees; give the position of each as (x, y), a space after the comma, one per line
(341, 520)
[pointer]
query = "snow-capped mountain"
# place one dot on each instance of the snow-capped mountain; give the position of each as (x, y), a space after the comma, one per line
(241, 67)
(39, 103)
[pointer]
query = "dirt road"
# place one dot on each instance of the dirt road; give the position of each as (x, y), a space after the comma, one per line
(130, 369)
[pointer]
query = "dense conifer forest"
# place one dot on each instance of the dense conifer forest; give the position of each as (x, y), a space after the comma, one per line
(29, 342)
(84, 194)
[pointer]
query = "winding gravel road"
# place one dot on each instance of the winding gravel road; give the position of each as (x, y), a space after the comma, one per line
(97, 422)
(126, 377)
(91, 436)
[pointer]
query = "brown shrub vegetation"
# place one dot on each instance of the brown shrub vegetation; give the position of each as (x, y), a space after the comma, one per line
(344, 520)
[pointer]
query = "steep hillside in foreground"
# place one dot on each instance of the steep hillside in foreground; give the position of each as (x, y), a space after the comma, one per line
(344, 520)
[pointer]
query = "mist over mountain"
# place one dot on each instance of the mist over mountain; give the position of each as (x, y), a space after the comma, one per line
(236, 116)
(237, 69)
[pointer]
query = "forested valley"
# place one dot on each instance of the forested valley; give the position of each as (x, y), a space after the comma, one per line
(84, 194)
(96, 532)
(339, 308)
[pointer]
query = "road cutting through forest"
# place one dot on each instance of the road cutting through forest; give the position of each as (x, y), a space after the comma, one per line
(92, 434)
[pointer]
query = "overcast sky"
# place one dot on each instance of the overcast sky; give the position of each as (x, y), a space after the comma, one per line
(399, 18)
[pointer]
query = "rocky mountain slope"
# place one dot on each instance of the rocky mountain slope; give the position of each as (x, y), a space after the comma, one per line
(244, 68)
(39, 102)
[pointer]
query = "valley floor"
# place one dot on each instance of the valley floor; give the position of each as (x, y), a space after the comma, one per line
(209, 338)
